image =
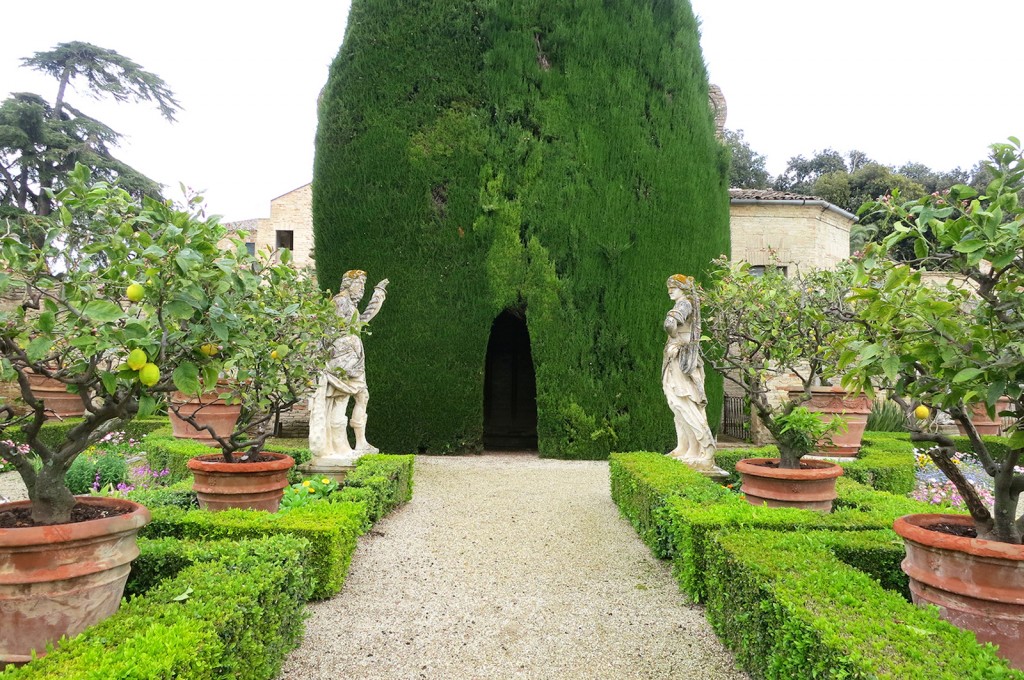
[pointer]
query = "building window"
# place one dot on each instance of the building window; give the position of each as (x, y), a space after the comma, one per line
(286, 239)
(251, 247)
(759, 269)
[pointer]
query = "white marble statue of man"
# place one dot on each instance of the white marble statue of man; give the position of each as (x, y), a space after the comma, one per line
(344, 377)
(682, 377)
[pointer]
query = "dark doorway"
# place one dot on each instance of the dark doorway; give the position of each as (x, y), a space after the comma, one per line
(510, 387)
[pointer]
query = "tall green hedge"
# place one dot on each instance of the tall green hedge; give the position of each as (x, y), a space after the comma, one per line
(553, 158)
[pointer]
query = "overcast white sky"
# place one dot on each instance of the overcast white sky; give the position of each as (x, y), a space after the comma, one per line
(932, 81)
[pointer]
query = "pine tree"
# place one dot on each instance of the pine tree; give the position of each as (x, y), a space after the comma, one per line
(556, 159)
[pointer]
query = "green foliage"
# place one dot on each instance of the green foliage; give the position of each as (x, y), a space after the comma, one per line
(96, 470)
(802, 431)
(748, 169)
(388, 478)
(78, 326)
(165, 497)
(331, 530)
(40, 143)
(791, 608)
(957, 342)
(642, 483)
(235, 612)
(563, 164)
(762, 327)
(886, 416)
(307, 491)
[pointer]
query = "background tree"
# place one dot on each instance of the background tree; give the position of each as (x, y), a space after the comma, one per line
(40, 142)
(748, 169)
(547, 160)
(801, 173)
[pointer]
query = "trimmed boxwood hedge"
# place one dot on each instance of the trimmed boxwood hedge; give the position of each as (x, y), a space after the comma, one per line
(790, 609)
(556, 160)
(330, 528)
(378, 484)
(234, 615)
(54, 432)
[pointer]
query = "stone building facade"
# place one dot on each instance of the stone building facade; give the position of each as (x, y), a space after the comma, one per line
(290, 225)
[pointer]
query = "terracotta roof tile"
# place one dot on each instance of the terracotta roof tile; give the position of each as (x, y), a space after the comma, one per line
(768, 195)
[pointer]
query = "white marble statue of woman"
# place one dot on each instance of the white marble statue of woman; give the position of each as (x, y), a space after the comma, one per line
(344, 377)
(682, 377)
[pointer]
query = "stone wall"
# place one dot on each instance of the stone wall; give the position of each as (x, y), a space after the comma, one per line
(292, 212)
(803, 236)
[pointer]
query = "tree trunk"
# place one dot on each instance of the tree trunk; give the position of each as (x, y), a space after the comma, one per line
(51, 500)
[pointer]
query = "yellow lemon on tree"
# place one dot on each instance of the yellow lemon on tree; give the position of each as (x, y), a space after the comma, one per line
(149, 375)
(137, 359)
(136, 292)
(922, 412)
(274, 355)
(209, 349)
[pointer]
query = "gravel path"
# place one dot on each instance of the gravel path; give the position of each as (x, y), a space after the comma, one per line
(508, 566)
(11, 487)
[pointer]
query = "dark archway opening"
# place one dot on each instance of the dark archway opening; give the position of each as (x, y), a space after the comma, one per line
(510, 386)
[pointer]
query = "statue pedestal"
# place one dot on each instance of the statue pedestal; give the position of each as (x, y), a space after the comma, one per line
(327, 468)
(715, 474)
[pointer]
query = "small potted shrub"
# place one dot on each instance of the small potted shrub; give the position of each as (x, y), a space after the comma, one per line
(106, 294)
(282, 324)
(955, 347)
(761, 330)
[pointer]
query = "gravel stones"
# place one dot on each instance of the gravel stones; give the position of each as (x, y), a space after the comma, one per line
(508, 566)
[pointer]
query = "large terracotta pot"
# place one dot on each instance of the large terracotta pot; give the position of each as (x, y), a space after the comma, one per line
(209, 410)
(58, 401)
(977, 585)
(982, 423)
(60, 579)
(812, 487)
(830, 402)
(220, 485)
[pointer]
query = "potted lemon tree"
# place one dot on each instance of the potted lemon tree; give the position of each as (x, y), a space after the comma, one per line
(282, 328)
(115, 301)
(955, 346)
(83, 321)
(767, 329)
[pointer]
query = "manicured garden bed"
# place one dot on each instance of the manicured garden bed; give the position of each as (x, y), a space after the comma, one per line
(795, 593)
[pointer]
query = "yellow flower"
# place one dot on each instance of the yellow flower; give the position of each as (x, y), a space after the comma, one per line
(325, 481)
(312, 490)
(305, 483)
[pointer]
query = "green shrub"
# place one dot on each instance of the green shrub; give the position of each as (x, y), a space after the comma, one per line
(388, 477)
(162, 497)
(790, 609)
(886, 416)
(298, 449)
(557, 158)
(96, 470)
(642, 483)
(167, 452)
(236, 616)
(331, 530)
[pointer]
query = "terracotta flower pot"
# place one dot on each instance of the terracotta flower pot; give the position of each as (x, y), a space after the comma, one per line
(977, 585)
(220, 485)
(982, 423)
(60, 579)
(58, 401)
(812, 487)
(830, 402)
(210, 410)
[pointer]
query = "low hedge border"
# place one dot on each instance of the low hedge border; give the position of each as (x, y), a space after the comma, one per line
(677, 511)
(330, 528)
(791, 609)
(54, 432)
(377, 485)
(235, 615)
